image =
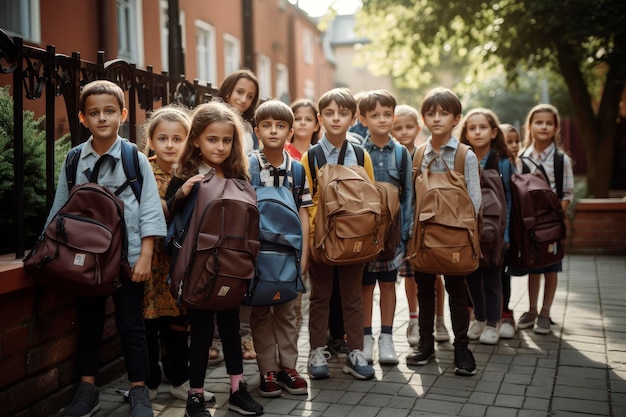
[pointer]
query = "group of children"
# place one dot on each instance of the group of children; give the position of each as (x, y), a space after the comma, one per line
(217, 137)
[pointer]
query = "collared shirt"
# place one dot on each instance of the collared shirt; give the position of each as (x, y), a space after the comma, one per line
(142, 220)
(387, 169)
(275, 176)
(546, 159)
(448, 152)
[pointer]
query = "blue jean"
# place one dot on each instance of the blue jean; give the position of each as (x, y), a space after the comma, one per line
(128, 300)
(485, 287)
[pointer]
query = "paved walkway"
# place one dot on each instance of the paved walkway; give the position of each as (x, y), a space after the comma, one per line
(578, 370)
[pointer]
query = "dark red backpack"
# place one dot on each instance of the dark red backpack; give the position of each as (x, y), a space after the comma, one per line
(537, 218)
(493, 213)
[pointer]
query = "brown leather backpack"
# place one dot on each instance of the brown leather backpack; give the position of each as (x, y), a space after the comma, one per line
(446, 236)
(218, 245)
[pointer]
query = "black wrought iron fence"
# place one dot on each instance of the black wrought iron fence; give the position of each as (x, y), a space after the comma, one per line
(44, 74)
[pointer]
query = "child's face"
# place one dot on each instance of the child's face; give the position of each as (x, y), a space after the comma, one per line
(479, 132)
(215, 143)
(336, 121)
(405, 129)
(167, 140)
(378, 121)
(102, 116)
(273, 133)
(242, 95)
(512, 141)
(305, 123)
(543, 128)
(440, 122)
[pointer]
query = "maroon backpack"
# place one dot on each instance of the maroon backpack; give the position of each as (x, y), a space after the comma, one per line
(537, 219)
(215, 253)
(493, 213)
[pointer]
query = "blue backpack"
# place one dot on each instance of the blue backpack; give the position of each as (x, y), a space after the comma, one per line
(278, 277)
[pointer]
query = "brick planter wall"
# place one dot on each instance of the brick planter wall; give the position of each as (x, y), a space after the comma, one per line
(598, 227)
(38, 345)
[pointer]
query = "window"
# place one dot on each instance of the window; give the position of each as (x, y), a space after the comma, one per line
(21, 18)
(282, 83)
(232, 54)
(309, 89)
(129, 27)
(205, 52)
(264, 74)
(307, 37)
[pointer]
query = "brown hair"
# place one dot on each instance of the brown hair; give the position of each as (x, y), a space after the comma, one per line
(274, 109)
(101, 87)
(543, 108)
(370, 99)
(305, 102)
(443, 97)
(498, 143)
(341, 96)
(227, 87)
(235, 166)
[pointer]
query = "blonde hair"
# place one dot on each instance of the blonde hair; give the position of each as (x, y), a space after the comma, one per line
(404, 110)
(170, 113)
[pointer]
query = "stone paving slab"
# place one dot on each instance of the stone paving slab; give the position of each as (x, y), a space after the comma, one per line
(579, 369)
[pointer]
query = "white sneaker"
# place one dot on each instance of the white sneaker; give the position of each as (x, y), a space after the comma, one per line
(441, 332)
(368, 348)
(476, 329)
(489, 336)
(386, 351)
(412, 333)
(182, 392)
(507, 329)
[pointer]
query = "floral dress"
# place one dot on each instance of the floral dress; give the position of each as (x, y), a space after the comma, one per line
(158, 300)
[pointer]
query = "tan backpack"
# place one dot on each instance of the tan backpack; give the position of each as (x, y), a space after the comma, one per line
(446, 236)
(347, 222)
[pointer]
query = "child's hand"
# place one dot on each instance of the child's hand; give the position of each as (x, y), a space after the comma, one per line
(142, 271)
(188, 185)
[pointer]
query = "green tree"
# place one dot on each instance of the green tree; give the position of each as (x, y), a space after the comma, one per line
(34, 171)
(583, 41)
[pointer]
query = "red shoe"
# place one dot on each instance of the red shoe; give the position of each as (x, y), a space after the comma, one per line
(291, 381)
(269, 385)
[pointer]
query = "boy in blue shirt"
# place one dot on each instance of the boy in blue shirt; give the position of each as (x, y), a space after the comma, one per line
(377, 114)
(102, 111)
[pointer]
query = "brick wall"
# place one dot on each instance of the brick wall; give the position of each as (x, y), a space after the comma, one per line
(598, 226)
(38, 344)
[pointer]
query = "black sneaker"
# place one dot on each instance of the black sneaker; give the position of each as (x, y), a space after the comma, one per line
(139, 399)
(195, 406)
(421, 354)
(337, 348)
(464, 361)
(85, 403)
(241, 402)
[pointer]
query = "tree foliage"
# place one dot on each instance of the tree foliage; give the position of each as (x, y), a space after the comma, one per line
(416, 41)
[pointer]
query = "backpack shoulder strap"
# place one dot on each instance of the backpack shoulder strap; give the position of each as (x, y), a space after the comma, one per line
(297, 181)
(316, 157)
(401, 162)
(255, 168)
(130, 162)
(71, 165)
(493, 161)
(559, 163)
(360, 154)
(418, 158)
(459, 158)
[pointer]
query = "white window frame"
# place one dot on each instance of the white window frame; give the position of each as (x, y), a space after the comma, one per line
(309, 89)
(307, 45)
(129, 31)
(264, 75)
(232, 54)
(28, 17)
(282, 83)
(206, 51)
